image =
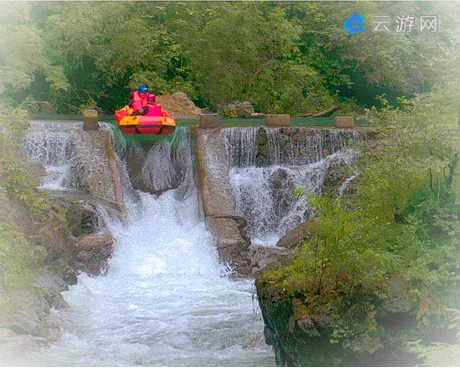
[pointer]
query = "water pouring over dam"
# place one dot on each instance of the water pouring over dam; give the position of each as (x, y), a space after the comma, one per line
(165, 299)
(268, 164)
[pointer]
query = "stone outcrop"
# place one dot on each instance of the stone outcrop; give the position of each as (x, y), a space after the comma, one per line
(236, 109)
(25, 319)
(305, 339)
(264, 256)
(94, 251)
(227, 227)
(298, 235)
(178, 105)
(48, 232)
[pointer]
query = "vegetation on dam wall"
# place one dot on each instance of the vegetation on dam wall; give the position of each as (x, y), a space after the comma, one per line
(381, 269)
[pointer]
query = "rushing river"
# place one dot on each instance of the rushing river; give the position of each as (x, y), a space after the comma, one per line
(165, 300)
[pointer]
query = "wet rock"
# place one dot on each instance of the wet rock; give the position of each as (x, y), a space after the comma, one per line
(263, 256)
(228, 228)
(229, 242)
(24, 312)
(61, 269)
(262, 155)
(298, 235)
(94, 252)
(397, 297)
(49, 286)
(338, 172)
(216, 191)
(49, 280)
(82, 217)
(52, 331)
(90, 242)
(96, 165)
(51, 334)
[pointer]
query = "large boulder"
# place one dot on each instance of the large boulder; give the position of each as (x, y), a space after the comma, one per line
(229, 242)
(304, 337)
(24, 312)
(178, 104)
(236, 109)
(94, 252)
(263, 256)
(299, 234)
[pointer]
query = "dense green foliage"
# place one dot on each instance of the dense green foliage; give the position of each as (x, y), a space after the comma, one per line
(21, 261)
(282, 57)
(401, 228)
(440, 354)
(400, 231)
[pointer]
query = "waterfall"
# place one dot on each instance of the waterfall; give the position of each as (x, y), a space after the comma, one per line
(294, 146)
(241, 146)
(268, 164)
(51, 144)
(165, 300)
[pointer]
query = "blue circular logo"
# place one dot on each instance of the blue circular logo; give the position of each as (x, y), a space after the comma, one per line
(355, 24)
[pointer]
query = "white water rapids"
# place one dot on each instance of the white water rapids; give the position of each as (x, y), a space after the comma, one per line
(165, 300)
(265, 195)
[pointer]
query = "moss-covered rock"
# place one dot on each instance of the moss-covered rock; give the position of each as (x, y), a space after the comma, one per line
(303, 337)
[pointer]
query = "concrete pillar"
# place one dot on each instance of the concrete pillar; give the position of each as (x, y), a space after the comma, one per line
(90, 120)
(208, 121)
(344, 122)
(278, 120)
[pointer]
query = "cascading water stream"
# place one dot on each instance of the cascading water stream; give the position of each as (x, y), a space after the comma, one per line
(51, 145)
(265, 190)
(165, 300)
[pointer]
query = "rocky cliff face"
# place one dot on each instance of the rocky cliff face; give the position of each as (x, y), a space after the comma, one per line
(56, 234)
(62, 243)
(303, 339)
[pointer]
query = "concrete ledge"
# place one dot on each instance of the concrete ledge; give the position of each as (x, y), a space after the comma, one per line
(90, 120)
(278, 120)
(344, 122)
(208, 121)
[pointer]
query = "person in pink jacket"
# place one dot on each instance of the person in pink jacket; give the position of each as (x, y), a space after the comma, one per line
(140, 99)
